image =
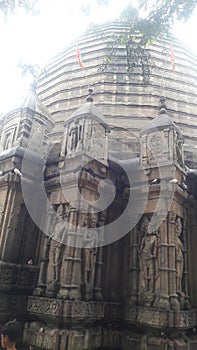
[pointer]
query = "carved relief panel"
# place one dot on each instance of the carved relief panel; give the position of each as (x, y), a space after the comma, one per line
(8, 137)
(89, 256)
(157, 147)
(74, 137)
(87, 135)
(51, 254)
(178, 148)
(162, 263)
(55, 250)
(181, 263)
(148, 261)
(9, 130)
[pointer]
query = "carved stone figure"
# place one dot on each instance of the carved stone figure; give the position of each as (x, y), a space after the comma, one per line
(89, 256)
(55, 253)
(156, 146)
(147, 257)
(74, 138)
(179, 254)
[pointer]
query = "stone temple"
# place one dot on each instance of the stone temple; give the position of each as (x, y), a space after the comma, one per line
(98, 200)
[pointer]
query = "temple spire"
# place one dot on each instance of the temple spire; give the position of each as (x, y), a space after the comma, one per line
(32, 86)
(89, 97)
(162, 105)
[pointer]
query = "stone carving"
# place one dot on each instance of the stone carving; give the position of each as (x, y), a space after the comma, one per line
(149, 315)
(6, 276)
(98, 295)
(179, 254)
(8, 141)
(71, 262)
(45, 306)
(178, 148)
(55, 252)
(75, 137)
(148, 261)
(156, 148)
(89, 257)
(81, 309)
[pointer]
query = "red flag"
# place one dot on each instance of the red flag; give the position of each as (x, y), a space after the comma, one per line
(78, 54)
(172, 58)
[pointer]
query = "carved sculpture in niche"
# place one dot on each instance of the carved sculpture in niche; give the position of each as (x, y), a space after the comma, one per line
(8, 141)
(156, 148)
(178, 148)
(75, 135)
(148, 261)
(179, 152)
(89, 256)
(55, 252)
(73, 138)
(179, 254)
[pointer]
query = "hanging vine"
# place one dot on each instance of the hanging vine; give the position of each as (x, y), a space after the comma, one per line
(138, 33)
(135, 36)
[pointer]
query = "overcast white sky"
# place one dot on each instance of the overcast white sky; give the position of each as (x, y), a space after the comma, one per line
(36, 39)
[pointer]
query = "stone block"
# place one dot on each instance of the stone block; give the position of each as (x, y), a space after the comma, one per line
(129, 343)
(193, 345)
(180, 345)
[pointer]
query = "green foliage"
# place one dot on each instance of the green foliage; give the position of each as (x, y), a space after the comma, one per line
(10, 6)
(138, 33)
(32, 6)
(33, 70)
(168, 10)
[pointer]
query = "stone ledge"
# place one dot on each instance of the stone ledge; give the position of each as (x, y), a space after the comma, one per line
(81, 310)
(161, 318)
(74, 309)
(57, 308)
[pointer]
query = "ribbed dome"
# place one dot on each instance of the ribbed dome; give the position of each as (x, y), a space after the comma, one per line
(125, 101)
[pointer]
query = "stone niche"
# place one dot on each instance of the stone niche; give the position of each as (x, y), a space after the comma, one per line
(161, 141)
(9, 130)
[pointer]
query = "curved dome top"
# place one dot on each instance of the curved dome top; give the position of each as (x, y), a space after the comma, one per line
(124, 100)
(163, 120)
(89, 110)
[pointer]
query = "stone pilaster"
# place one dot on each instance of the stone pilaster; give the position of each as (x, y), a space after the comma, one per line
(9, 223)
(98, 295)
(133, 266)
(41, 285)
(75, 291)
(162, 291)
(174, 304)
(185, 270)
(68, 289)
